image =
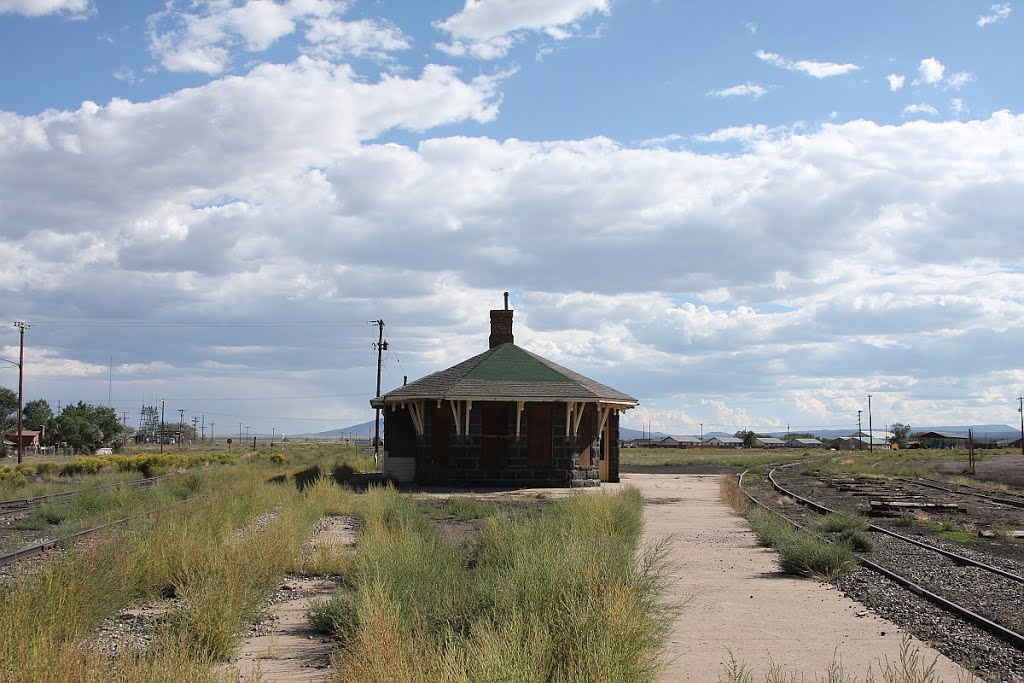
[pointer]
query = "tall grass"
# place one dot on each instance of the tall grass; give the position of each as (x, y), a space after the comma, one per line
(221, 557)
(800, 552)
(552, 596)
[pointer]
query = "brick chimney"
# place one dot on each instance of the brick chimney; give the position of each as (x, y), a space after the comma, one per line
(501, 326)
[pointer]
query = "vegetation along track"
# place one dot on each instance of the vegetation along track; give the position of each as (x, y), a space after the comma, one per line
(18, 506)
(975, 582)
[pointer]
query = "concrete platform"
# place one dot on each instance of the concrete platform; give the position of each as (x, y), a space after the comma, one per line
(738, 601)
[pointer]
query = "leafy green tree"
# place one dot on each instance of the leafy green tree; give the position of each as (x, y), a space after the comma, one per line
(749, 437)
(36, 413)
(86, 427)
(900, 432)
(8, 409)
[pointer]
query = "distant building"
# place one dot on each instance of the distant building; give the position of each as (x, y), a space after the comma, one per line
(677, 442)
(29, 439)
(862, 443)
(804, 443)
(941, 440)
(724, 442)
(769, 442)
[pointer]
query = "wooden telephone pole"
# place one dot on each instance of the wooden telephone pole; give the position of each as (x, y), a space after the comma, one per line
(21, 388)
(382, 346)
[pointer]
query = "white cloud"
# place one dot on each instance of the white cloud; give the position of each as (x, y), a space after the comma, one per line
(709, 285)
(204, 37)
(895, 81)
(742, 90)
(333, 38)
(912, 109)
(1000, 13)
(959, 79)
(38, 8)
(931, 70)
(811, 68)
(487, 29)
(957, 105)
(751, 26)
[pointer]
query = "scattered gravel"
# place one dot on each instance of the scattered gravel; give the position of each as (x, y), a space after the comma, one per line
(999, 599)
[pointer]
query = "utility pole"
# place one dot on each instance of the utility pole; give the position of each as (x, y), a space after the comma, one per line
(239, 431)
(212, 425)
(860, 432)
(1020, 409)
(701, 433)
(381, 348)
(871, 431)
(21, 387)
(124, 417)
(273, 431)
(195, 425)
(202, 426)
(163, 425)
(181, 424)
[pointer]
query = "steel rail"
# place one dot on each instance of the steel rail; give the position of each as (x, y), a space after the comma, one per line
(17, 505)
(997, 630)
(959, 559)
(43, 546)
(1005, 501)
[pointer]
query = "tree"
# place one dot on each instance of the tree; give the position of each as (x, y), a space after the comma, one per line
(85, 427)
(36, 414)
(749, 437)
(8, 410)
(900, 432)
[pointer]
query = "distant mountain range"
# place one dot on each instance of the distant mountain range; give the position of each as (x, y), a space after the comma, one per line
(990, 431)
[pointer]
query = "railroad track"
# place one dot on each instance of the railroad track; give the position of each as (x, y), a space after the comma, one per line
(44, 546)
(960, 491)
(958, 584)
(19, 506)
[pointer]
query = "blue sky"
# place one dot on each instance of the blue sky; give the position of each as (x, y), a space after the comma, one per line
(745, 214)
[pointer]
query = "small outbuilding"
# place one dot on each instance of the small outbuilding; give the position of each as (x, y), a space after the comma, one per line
(769, 442)
(504, 417)
(941, 440)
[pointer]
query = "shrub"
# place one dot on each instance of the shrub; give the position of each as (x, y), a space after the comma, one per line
(48, 468)
(856, 540)
(277, 458)
(843, 521)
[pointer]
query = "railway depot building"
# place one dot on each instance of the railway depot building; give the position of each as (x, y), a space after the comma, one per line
(506, 417)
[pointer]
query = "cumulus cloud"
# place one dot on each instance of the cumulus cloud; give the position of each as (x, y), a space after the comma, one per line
(816, 69)
(670, 274)
(747, 89)
(487, 29)
(1000, 12)
(333, 38)
(38, 8)
(895, 81)
(204, 36)
(931, 70)
(913, 109)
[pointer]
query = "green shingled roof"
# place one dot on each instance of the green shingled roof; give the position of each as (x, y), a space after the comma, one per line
(503, 373)
(509, 363)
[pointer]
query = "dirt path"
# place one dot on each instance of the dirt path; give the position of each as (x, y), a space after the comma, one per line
(291, 651)
(739, 602)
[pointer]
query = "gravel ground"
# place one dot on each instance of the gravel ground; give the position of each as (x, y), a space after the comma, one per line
(999, 599)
